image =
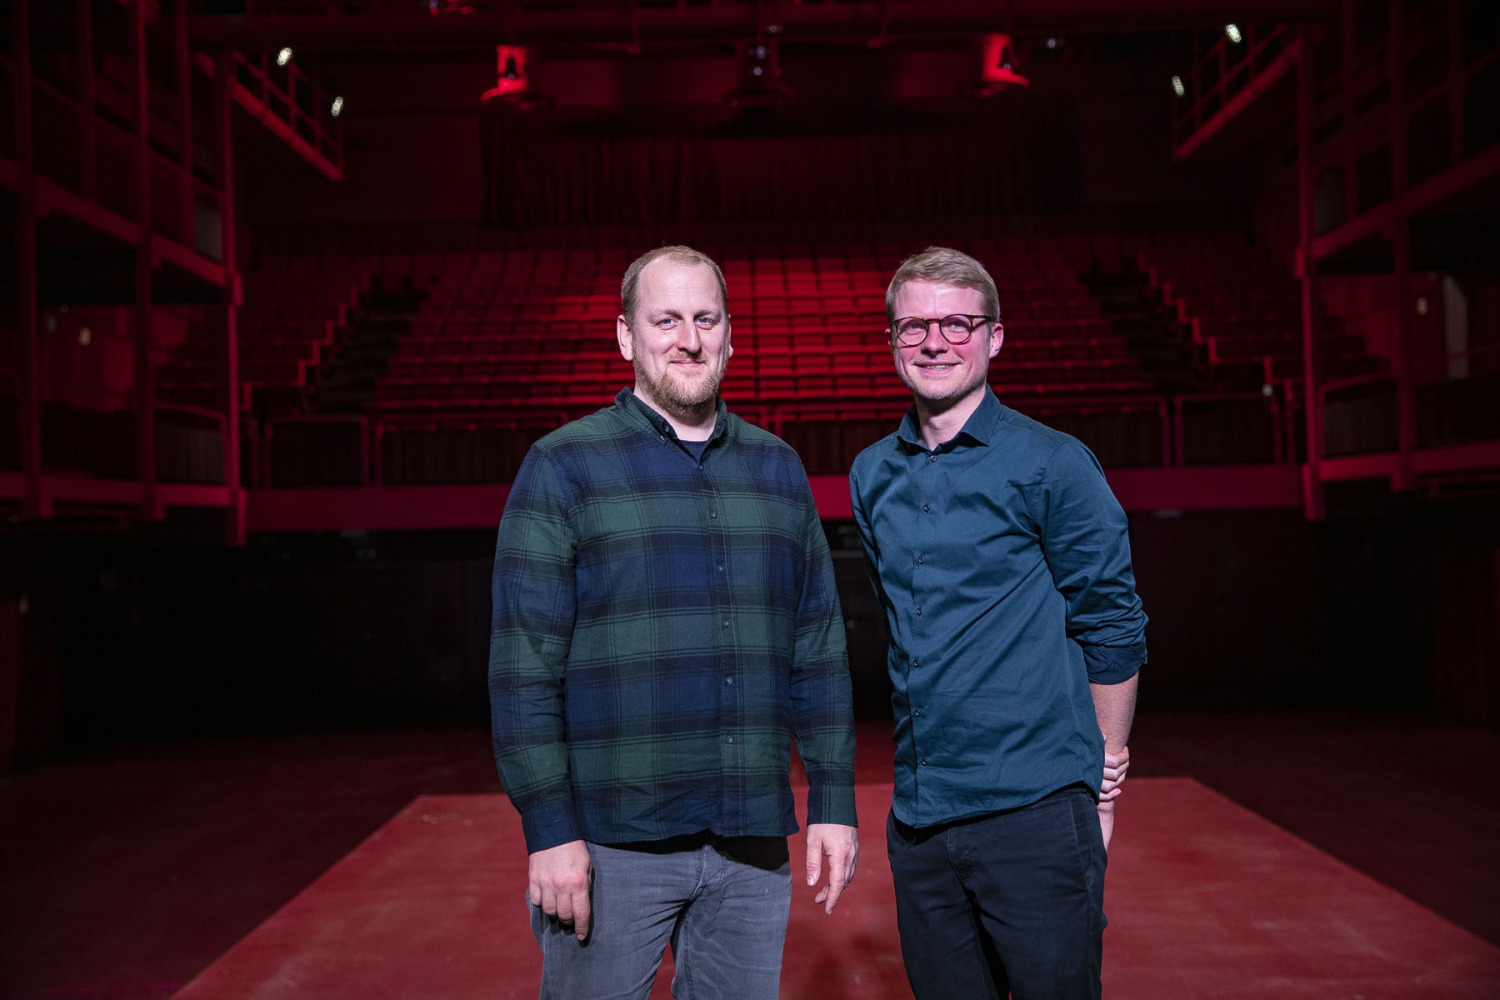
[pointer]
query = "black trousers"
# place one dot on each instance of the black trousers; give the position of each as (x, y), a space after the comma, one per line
(1011, 902)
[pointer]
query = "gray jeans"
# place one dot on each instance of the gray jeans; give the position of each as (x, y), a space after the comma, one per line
(721, 903)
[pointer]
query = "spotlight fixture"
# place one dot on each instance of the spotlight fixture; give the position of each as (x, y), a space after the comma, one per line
(998, 72)
(1054, 43)
(1232, 31)
(512, 85)
(760, 83)
(284, 56)
(1177, 86)
(337, 107)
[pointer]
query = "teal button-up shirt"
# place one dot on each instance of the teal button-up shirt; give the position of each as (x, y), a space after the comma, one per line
(1003, 566)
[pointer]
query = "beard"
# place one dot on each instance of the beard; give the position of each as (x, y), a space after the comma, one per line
(680, 395)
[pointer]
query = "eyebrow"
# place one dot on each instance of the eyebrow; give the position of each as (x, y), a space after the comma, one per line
(715, 312)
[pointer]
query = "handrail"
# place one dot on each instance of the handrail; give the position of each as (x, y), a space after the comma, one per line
(268, 434)
(780, 412)
(1470, 355)
(191, 410)
(1171, 414)
(156, 160)
(554, 416)
(1352, 382)
(1270, 401)
(1231, 79)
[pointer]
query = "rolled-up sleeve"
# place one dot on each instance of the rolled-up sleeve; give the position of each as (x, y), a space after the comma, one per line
(1084, 533)
(531, 626)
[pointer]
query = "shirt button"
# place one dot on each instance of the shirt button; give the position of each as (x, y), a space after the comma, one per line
(917, 712)
(713, 513)
(721, 567)
(921, 560)
(726, 623)
(728, 681)
(932, 459)
(924, 761)
(925, 508)
(919, 612)
(916, 663)
(730, 739)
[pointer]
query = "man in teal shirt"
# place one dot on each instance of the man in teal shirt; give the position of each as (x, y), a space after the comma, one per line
(1002, 563)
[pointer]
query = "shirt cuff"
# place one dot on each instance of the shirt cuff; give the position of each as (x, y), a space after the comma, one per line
(831, 803)
(549, 825)
(1113, 664)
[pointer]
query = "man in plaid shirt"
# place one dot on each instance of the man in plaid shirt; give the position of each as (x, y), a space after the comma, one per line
(665, 624)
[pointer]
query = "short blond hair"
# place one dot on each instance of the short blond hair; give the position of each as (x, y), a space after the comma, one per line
(949, 266)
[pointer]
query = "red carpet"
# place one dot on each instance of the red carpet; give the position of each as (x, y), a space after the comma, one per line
(1205, 899)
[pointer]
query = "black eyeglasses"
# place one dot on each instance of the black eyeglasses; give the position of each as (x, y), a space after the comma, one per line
(911, 331)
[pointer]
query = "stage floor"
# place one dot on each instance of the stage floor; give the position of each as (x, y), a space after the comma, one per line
(1204, 898)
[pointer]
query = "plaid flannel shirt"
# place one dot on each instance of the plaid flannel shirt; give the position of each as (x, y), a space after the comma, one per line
(663, 627)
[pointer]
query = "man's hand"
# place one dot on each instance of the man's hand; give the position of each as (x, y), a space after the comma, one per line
(1115, 766)
(560, 879)
(841, 844)
(1106, 822)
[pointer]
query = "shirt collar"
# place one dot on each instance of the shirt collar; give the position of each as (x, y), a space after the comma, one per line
(628, 403)
(978, 429)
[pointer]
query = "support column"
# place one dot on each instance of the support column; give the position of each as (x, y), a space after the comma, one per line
(1348, 152)
(1401, 357)
(1455, 82)
(183, 57)
(1312, 353)
(229, 257)
(35, 503)
(145, 340)
(84, 43)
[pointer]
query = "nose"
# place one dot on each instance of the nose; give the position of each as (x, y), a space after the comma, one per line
(934, 342)
(689, 338)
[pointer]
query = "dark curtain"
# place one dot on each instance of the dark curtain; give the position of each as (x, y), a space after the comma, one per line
(566, 166)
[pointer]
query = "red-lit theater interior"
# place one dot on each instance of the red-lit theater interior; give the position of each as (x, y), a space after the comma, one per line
(292, 285)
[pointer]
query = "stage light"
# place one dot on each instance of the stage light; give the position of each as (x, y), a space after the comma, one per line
(284, 56)
(1233, 33)
(512, 82)
(999, 72)
(760, 83)
(337, 107)
(1054, 43)
(1267, 389)
(1177, 86)
(85, 336)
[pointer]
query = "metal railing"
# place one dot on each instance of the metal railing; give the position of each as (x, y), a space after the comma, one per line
(1270, 401)
(102, 141)
(1228, 70)
(263, 467)
(1173, 417)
